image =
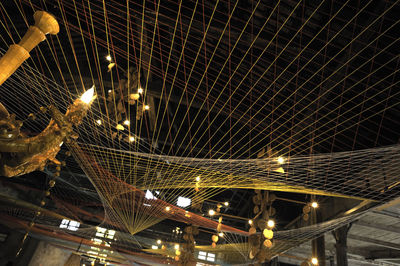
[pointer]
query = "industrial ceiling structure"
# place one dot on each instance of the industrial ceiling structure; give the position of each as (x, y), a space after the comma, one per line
(201, 132)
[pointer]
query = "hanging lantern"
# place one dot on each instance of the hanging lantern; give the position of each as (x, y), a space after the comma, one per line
(214, 238)
(213, 245)
(268, 243)
(268, 234)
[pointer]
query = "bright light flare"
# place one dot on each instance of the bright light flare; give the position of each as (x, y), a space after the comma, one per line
(159, 241)
(140, 90)
(314, 261)
(271, 223)
(98, 121)
(131, 139)
(211, 212)
(314, 204)
(250, 222)
(226, 204)
(280, 160)
(146, 107)
(127, 122)
(108, 58)
(88, 96)
(221, 234)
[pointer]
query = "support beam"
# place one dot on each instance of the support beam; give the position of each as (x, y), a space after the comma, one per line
(384, 254)
(384, 227)
(375, 242)
(340, 236)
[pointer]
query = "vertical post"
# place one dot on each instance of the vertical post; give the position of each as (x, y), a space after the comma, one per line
(318, 244)
(340, 236)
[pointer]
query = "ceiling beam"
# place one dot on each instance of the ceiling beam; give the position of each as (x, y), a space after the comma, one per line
(384, 227)
(374, 241)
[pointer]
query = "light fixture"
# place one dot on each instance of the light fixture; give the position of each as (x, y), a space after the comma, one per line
(98, 121)
(168, 208)
(120, 127)
(314, 261)
(211, 212)
(220, 234)
(271, 223)
(176, 246)
(159, 241)
(198, 178)
(127, 122)
(250, 222)
(183, 202)
(108, 57)
(140, 90)
(314, 204)
(134, 96)
(280, 160)
(154, 247)
(131, 139)
(88, 96)
(146, 107)
(226, 204)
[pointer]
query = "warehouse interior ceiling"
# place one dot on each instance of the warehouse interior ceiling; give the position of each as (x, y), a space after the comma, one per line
(207, 132)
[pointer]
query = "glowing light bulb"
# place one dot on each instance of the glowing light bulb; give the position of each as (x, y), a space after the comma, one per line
(226, 204)
(131, 139)
(108, 57)
(146, 107)
(314, 204)
(127, 122)
(168, 208)
(280, 160)
(140, 90)
(98, 121)
(211, 212)
(221, 234)
(159, 241)
(88, 96)
(250, 222)
(198, 178)
(176, 246)
(271, 223)
(314, 261)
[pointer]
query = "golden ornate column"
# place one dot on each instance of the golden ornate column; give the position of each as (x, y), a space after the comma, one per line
(18, 53)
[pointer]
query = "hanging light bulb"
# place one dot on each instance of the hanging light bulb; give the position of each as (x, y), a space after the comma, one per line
(198, 178)
(280, 160)
(168, 208)
(211, 212)
(271, 223)
(176, 246)
(250, 222)
(140, 90)
(159, 241)
(127, 122)
(314, 204)
(226, 204)
(146, 107)
(98, 121)
(131, 139)
(88, 96)
(108, 58)
(220, 234)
